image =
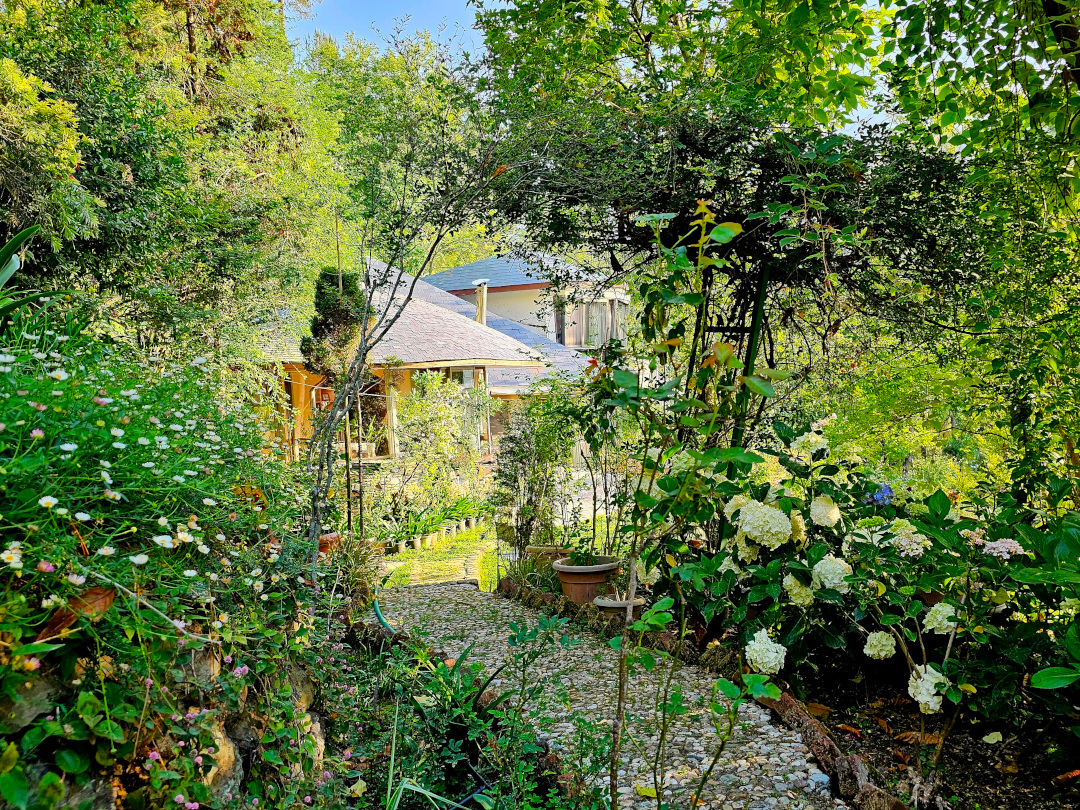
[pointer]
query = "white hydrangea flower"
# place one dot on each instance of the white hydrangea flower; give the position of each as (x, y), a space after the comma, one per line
(764, 524)
(824, 511)
(798, 530)
(923, 688)
(907, 540)
(748, 552)
(880, 645)
(765, 655)
(738, 502)
(800, 594)
(809, 443)
(830, 573)
(937, 619)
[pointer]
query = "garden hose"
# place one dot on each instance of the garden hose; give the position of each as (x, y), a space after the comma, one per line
(378, 612)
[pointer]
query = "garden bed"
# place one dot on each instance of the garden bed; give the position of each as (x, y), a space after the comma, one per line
(876, 719)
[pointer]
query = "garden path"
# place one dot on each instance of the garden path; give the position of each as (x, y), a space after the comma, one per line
(458, 558)
(764, 766)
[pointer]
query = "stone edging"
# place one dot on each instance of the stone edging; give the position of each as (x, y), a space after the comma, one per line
(850, 772)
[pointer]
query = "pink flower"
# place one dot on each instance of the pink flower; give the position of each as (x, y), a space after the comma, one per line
(198, 760)
(307, 800)
(149, 682)
(227, 659)
(45, 566)
(37, 433)
(179, 798)
(347, 754)
(154, 755)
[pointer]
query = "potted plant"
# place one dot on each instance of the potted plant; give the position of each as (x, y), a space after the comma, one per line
(584, 574)
(414, 528)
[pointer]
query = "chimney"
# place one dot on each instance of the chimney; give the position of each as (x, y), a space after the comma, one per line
(481, 300)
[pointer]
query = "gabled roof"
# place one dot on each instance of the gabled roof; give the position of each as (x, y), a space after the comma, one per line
(554, 353)
(500, 271)
(427, 334)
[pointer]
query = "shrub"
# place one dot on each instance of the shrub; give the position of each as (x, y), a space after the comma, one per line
(154, 588)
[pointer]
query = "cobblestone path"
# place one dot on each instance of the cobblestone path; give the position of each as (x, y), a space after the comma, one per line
(764, 766)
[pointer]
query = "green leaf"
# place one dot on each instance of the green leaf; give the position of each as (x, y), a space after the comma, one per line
(111, 730)
(74, 762)
(939, 506)
(760, 386)
(624, 378)
(1055, 678)
(485, 802)
(35, 648)
(8, 251)
(14, 789)
(728, 689)
(51, 789)
(9, 758)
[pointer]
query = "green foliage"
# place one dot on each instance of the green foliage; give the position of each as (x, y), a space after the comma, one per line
(152, 563)
(450, 733)
(339, 315)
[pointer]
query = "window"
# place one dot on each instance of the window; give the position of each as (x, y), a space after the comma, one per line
(592, 323)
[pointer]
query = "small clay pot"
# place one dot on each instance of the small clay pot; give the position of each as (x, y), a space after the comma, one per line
(417, 541)
(617, 607)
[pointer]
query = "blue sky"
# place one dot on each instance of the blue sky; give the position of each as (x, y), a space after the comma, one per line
(338, 17)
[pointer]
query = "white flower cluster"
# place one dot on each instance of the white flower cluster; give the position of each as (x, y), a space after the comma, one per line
(798, 530)
(765, 524)
(824, 511)
(809, 443)
(1004, 548)
(13, 555)
(801, 595)
(937, 619)
(830, 573)
(765, 655)
(906, 539)
(923, 688)
(880, 645)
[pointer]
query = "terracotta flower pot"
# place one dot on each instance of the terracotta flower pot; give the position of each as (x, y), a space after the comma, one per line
(470, 523)
(462, 525)
(417, 541)
(395, 546)
(581, 583)
(617, 607)
(430, 540)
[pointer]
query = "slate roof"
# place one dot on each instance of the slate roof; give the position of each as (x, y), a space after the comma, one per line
(426, 333)
(276, 343)
(554, 353)
(500, 271)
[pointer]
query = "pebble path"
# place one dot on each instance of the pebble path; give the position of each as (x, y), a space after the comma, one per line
(764, 766)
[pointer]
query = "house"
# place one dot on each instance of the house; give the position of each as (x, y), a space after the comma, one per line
(436, 331)
(583, 316)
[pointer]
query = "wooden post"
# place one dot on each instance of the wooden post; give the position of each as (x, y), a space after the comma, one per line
(391, 415)
(360, 468)
(348, 472)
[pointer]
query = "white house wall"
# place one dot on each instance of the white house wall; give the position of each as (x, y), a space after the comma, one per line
(523, 306)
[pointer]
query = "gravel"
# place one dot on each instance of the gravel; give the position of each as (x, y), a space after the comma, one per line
(764, 765)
